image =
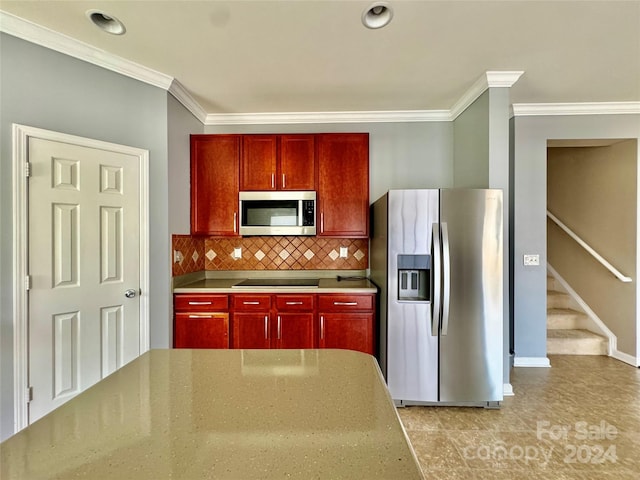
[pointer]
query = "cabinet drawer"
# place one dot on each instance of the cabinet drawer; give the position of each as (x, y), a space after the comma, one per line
(297, 303)
(344, 303)
(201, 302)
(251, 302)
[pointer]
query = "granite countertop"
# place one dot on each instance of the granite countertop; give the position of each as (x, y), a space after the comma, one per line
(223, 414)
(325, 285)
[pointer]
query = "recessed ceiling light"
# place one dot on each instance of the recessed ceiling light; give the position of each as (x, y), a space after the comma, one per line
(106, 22)
(377, 15)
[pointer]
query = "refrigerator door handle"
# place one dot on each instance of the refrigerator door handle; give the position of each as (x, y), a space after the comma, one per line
(436, 253)
(446, 278)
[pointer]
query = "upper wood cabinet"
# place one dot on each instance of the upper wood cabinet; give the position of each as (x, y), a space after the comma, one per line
(343, 184)
(214, 184)
(277, 162)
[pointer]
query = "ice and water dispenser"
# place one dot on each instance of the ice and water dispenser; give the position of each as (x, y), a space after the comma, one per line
(414, 278)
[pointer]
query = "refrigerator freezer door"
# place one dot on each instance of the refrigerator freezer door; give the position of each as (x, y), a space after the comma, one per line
(471, 352)
(412, 352)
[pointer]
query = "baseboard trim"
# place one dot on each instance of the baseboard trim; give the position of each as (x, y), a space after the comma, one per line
(536, 362)
(507, 390)
(625, 357)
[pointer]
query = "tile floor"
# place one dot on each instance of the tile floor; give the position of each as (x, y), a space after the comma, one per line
(578, 420)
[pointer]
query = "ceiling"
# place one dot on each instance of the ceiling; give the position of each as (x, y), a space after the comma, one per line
(316, 56)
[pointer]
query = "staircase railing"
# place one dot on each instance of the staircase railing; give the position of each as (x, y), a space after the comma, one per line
(592, 252)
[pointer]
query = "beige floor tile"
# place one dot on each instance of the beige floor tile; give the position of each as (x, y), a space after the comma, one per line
(555, 427)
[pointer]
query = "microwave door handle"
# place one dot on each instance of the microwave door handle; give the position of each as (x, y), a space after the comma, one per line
(300, 208)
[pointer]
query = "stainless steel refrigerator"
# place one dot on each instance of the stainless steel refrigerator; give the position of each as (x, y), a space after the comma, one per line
(437, 258)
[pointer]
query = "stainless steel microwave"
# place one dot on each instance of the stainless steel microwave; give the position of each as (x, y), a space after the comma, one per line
(278, 213)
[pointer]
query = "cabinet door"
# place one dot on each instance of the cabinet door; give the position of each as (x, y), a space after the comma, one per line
(297, 162)
(251, 330)
(350, 331)
(258, 166)
(214, 184)
(293, 330)
(202, 330)
(343, 185)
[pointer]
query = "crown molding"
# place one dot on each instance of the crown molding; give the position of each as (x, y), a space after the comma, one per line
(184, 97)
(585, 108)
(489, 79)
(328, 117)
(45, 37)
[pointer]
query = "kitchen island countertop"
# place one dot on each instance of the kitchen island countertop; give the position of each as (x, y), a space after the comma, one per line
(223, 414)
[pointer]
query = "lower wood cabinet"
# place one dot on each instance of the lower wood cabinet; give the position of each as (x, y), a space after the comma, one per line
(201, 330)
(201, 321)
(251, 330)
(273, 321)
(293, 321)
(347, 322)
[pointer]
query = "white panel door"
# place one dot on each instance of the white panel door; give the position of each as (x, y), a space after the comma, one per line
(84, 264)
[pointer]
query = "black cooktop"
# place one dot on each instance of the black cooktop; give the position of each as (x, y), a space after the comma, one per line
(277, 282)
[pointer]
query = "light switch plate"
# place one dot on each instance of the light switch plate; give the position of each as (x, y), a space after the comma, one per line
(237, 252)
(531, 260)
(343, 252)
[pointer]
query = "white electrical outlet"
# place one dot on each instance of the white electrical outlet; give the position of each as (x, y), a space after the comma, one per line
(177, 256)
(237, 252)
(343, 252)
(531, 260)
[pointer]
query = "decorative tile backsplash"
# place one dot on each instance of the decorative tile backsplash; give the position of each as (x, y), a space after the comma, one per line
(192, 254)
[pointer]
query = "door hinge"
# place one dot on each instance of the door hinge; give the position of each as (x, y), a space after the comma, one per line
(27, 282)
(27, 169)
(29, 394)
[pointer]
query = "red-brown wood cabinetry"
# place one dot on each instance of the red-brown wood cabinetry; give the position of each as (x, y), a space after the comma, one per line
(264, 320)
(251, 321)
(277, 162)
(347, 321)
(201, 321)
(295, 321)
(214, 184)
(343, 184)
(273, 321)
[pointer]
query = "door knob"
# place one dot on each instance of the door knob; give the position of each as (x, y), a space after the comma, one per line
(130, 293)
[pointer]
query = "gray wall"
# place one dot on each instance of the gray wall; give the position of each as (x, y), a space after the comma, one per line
(401, 155)
(181, 124)
(45, 89)
(471, 159)
(529, 186)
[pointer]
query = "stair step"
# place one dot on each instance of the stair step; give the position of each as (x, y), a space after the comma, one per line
(557, 299)
(575, 342)
(565, 318)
